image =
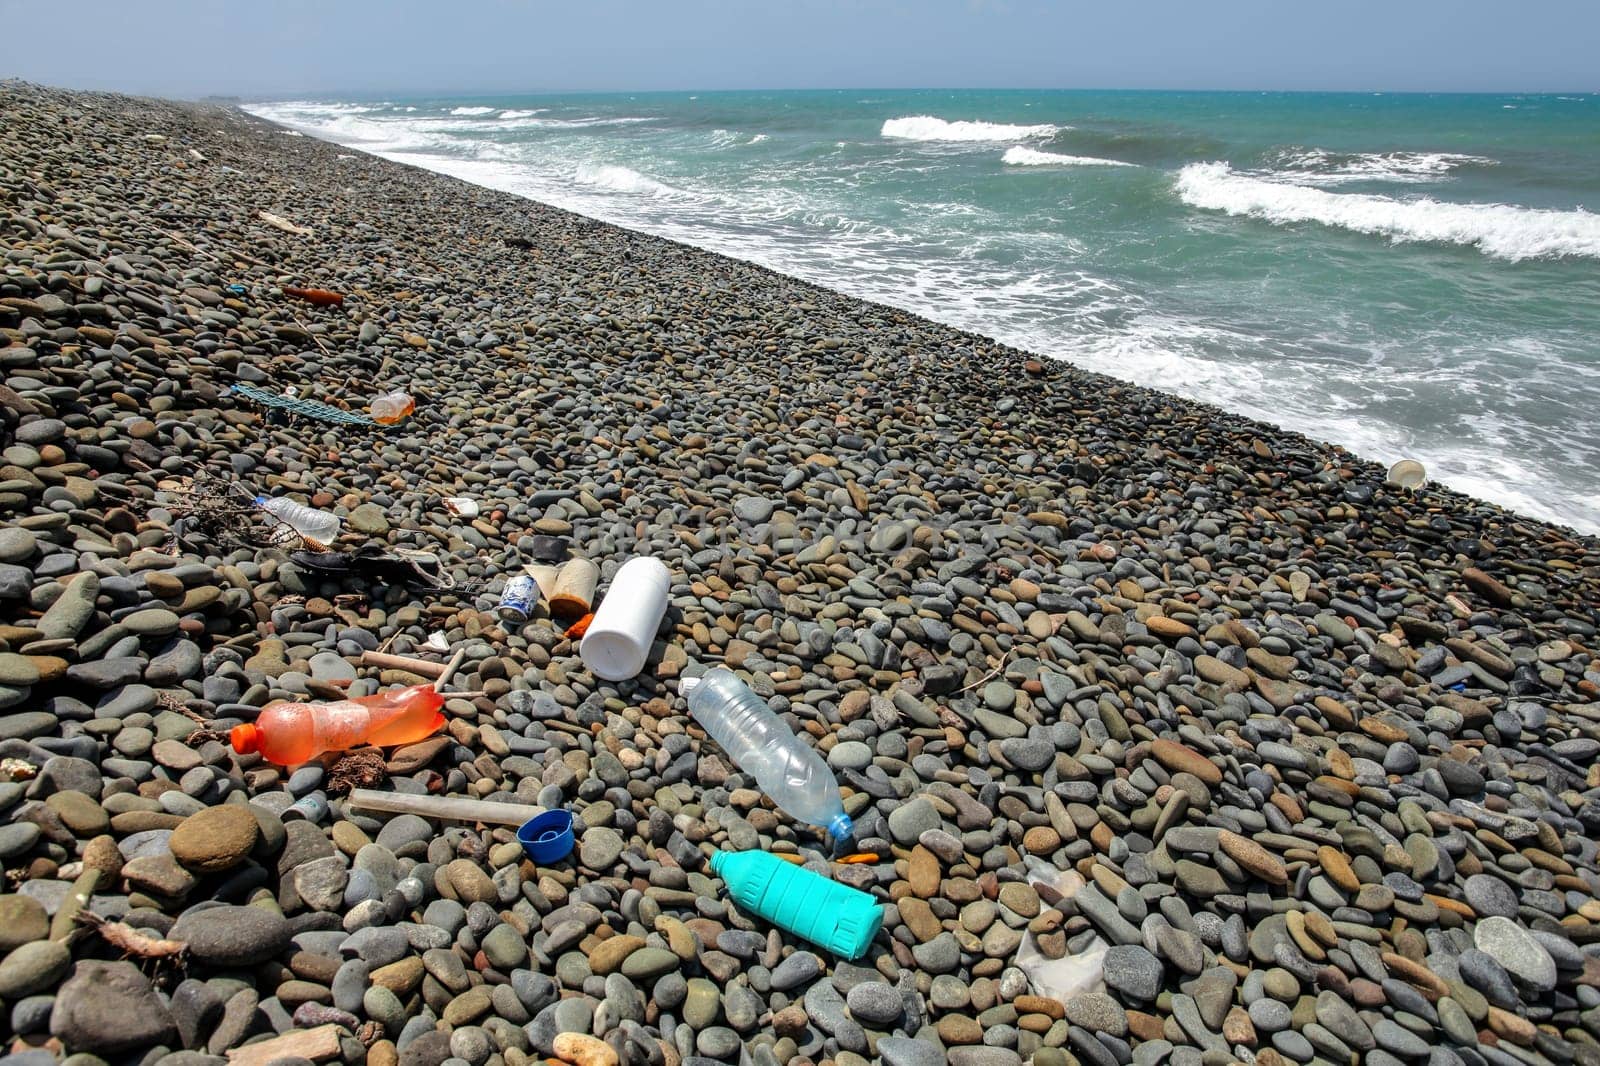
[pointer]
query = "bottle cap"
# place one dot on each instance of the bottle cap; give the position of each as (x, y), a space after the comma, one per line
(687, 685)
(841, 828)
(261, 501)
(246, 738)
(547, 837)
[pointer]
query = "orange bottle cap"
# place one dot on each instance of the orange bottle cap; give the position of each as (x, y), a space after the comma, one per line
(246, 738)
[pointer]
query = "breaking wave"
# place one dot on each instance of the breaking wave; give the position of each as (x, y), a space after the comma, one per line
(622, 179)
(1030, 157)
(1498, 230)
(929, 128)
(1319, 166)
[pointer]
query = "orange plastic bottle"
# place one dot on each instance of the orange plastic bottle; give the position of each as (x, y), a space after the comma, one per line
(392, 407)
(292, 733)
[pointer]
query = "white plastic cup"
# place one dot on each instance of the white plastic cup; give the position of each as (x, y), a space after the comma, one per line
(1407, 474)
(619, 637)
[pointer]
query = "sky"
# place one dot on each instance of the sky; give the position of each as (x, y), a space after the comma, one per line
(281, 48)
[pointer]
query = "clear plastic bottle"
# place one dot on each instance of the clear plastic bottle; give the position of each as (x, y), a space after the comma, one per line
(794, 775)
(292, 733)
(309, 522)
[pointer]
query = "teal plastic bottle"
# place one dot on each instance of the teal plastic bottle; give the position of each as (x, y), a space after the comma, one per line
(830, 915)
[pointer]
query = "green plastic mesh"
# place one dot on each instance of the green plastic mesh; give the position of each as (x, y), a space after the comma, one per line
(294, 405)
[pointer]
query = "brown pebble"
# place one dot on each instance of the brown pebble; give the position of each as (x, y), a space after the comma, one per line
(1144, 1026)
(1336, 865)
(1237, 1028)
(1512, 1027)
(1253, 858)
(1180, 758)
(584, 1050)
(919, 919)
(959, 1029)
(1039, 1005)
(923, 872)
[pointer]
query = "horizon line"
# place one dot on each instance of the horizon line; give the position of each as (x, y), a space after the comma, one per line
(459, 93)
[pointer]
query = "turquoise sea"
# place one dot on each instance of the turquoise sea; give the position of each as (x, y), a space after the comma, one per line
(1407, 275)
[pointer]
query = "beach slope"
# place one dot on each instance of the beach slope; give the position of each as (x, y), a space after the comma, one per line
(1323, 751)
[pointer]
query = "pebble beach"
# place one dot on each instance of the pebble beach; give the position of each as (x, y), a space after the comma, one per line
(1177, 738)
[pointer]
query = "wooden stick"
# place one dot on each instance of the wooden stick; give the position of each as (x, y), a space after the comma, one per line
(420, 667)
(280, 223)
(452, 808)
(449, 670)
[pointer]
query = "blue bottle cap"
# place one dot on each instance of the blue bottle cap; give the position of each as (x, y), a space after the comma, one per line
(547, 837)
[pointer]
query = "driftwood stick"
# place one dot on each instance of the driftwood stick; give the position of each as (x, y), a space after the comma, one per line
(420, 667)
(450, 669)
(452, 808)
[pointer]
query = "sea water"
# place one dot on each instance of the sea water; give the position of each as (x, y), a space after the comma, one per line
(1405, 275)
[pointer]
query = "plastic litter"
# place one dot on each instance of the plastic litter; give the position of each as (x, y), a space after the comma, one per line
(757, 740)
(617, 642)
(309, 522)
(292, 733)
(217, 512)
(830, 915)
(1066, 977)
(318, 297)
(312, 807)
(1407, 474)
(296, 406)
(461, 506)
(518, 599)
(371, 562)
(14, 769)
(544, 548)
(545, 576)
(444, 808)
(577, 629)
(547, 837)
(573, 593)
(391, 407)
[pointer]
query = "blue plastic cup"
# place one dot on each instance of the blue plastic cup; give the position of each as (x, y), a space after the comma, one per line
(547, 837)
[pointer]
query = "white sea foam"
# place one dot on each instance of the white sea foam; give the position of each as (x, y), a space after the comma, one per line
(929, 128)
(595, 120)
(1503, 231)
(1318, 166)
(468, 112)
(758, 138)
(622, 179)
(1019, 156)
(514, 113)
